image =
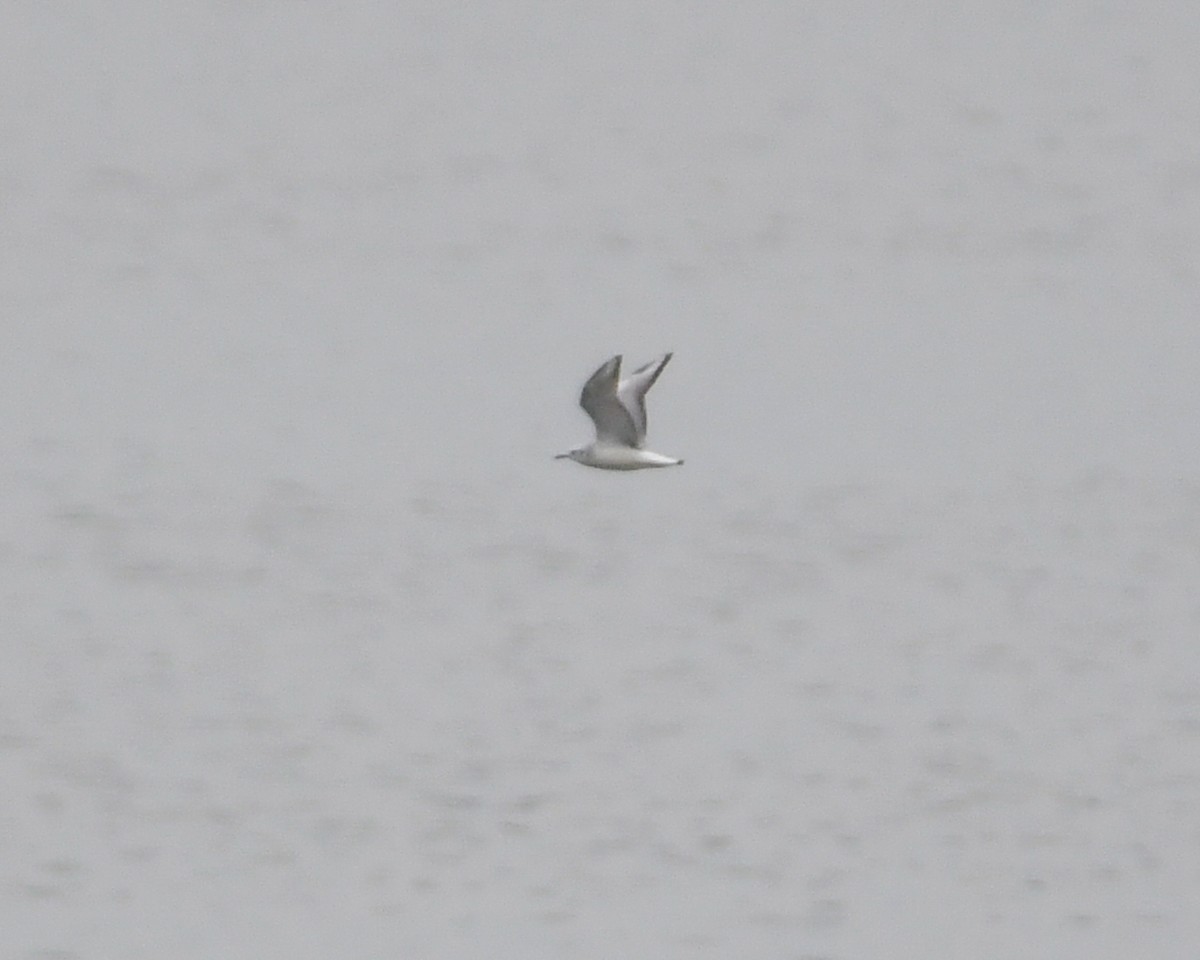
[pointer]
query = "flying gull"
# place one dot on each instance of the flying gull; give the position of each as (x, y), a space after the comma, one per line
(618, 408)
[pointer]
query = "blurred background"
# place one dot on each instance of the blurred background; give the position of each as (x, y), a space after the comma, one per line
(311, 649)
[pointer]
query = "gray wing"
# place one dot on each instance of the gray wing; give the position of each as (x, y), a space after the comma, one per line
(632, 393)
(614, 424)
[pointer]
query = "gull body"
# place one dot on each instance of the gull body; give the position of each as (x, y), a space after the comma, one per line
(618, 409)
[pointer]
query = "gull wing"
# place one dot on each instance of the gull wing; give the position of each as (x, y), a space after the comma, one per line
(632, 393)
(614, 423)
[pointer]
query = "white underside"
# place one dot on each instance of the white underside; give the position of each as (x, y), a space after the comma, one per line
(618, 457)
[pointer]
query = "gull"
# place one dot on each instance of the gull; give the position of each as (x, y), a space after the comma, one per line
(618, 408)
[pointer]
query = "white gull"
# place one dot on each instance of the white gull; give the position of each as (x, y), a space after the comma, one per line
(618, 408)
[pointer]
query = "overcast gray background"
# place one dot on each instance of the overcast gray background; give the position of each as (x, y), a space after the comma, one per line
(311, 650)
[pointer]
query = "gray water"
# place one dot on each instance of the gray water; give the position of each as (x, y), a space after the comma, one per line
(310, 649)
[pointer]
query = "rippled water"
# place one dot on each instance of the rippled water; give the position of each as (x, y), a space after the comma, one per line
(816, 727)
